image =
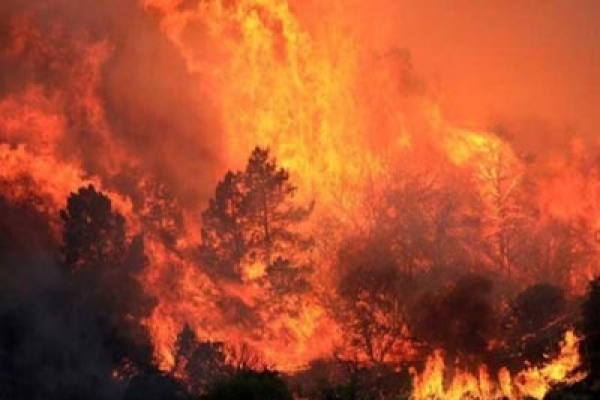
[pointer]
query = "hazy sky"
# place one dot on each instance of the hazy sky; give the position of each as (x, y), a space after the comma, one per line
(534, 65)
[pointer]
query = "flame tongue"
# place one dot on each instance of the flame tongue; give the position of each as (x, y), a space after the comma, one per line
(533, 382)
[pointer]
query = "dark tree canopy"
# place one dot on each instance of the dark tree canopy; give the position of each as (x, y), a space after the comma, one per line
(223, 241)
(373, 296)
(154, 385)
(50, 345)
(253, 220)
(94, 235)
(535, 323)
(537, 307)
(105, 268)
(264, 385)
(590, 344)
(72, 330)
(461, 320)
(201, 364)
(250, 231)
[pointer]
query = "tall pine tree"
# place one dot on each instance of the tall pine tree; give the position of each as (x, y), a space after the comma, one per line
(252, 222)
(104, 267)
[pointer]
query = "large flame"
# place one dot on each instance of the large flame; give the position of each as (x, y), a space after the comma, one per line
(334, 113)
(533, 382)
(337, 114)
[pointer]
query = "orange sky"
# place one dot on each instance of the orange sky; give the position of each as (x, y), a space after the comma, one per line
(530, 65)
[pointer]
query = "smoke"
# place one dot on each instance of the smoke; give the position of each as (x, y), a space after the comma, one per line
(47, 342)
(124, 91)
(532, 68)
(121, 87)
(129, 99)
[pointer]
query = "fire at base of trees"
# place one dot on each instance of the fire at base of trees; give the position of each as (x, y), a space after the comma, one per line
(410, 283)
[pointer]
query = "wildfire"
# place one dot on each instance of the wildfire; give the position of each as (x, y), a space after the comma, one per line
(533, 382)
(335, 115)
(342, 118)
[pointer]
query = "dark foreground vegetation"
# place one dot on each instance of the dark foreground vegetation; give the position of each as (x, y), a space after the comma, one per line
(589, 388)
(72, 311)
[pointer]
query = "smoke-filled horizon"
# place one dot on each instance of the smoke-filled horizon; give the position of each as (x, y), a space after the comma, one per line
(154, 84)
(533, 68)
(115, 92)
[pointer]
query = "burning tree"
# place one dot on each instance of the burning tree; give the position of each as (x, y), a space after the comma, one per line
(160, 212)
(79, 99)
(201, 364)
(250, 228)
(372, 302)
(223, 243)
(563, 248)
(421, 230)
(427, 221)
(510, 210)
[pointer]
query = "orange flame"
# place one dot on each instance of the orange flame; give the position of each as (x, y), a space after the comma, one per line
(334, 113)
(532, 382)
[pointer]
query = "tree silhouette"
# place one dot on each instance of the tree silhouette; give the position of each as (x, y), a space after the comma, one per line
(223, 239)
(50, 346)
(269, 208)
(590, 344)
(509, 208)
(201, 364)
(536, 322)
(372, 301)
(160, 212)
(461, 320)
(251, 385)
(105, 267)
(252, 221)
(185, 345)
(426, 222)
(93, 235)
(207, 366)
